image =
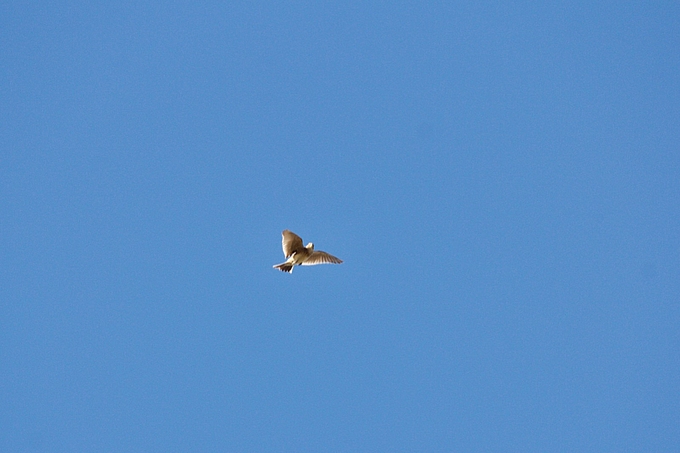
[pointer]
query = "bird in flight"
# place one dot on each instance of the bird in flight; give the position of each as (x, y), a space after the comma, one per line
(297, 254)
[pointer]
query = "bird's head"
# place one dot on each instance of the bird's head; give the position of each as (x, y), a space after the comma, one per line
(310, 246)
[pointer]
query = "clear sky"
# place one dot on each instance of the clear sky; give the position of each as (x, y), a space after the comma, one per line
(501, 179)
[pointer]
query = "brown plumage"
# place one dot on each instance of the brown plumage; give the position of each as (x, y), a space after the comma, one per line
(299, 255)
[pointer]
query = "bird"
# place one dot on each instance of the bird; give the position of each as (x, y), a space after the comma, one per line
(297, 254)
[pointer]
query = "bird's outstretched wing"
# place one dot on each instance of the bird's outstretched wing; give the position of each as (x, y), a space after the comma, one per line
(319, 257)
(291, 243)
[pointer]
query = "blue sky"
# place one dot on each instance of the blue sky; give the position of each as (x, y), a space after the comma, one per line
(501, 179)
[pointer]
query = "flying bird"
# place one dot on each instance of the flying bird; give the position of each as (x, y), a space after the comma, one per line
(297, 254)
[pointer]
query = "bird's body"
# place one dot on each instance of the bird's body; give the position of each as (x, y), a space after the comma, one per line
(299, 255)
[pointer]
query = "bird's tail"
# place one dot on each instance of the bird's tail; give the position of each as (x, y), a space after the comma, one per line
(285, 267)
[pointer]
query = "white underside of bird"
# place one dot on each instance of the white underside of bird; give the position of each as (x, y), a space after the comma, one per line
(299, 255)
